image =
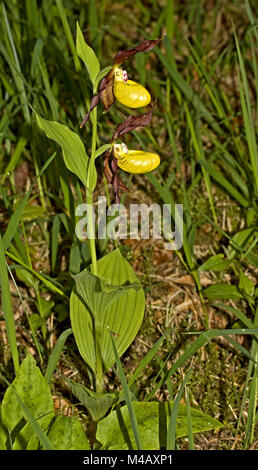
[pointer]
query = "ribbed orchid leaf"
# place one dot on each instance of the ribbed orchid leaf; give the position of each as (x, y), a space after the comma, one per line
(115, 431)
(74, 152)
(112, 301)
(87, 54)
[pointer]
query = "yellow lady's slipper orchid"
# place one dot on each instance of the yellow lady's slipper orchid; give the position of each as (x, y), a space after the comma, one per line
(128, 92)
(115, 85)
(135, 161)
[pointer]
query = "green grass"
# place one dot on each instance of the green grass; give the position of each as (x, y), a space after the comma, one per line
(204, 76)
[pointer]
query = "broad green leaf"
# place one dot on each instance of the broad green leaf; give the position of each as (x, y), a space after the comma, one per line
(222, 291)
(45, 306)
(75, 258)
(115, 432)
(87, 54)
(215, 263)
(97, 293)
(2, 434)
(113, 302)
(97, 404)
(74, 153)
(33, 212)
(34, 392)
(240, 239)
(26, 439)
(67, 434)
(31, 420)
(246, 284)
(26, 277)
(36, 321)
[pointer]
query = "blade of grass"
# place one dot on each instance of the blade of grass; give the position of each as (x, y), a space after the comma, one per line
(128, 398)
(247, 113)
(233, 244)
(27, 315)
(189, 421)
(147, 358)
(170, 19)
(16, 217)
(187, 91)
(171, 432)
(250, 423)
(54, 241)
(50, 284)
(15, 157)
(195, 346)
(68, 34)
(240, 315)
(200, 157)
(53, 360)
(190, 264)
(32, 15)
(202, 72)
(7, 307)
(253, 391)
(17, 78)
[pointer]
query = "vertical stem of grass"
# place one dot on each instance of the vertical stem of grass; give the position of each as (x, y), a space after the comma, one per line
(171, 432)
(189, 421)
(68, 33)
(128, 398)
(7, 307)
(17, 75)
(253, 391)
(200, 155)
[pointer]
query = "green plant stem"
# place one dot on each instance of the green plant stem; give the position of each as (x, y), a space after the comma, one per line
(91, 231)
(94, 133)
(98, 370)
(91, 183)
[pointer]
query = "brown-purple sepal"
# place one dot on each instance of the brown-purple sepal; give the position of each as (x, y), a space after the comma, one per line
(106, 90)
(105, 94)
(144, 46)
(110, 172)
(93, 104)
(131, 123)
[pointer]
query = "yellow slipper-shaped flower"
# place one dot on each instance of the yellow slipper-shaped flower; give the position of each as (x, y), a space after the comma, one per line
(128, 92)
(135, 161)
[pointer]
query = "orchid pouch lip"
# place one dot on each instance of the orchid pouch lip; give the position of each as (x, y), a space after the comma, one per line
(131, 94)
(135, 161)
